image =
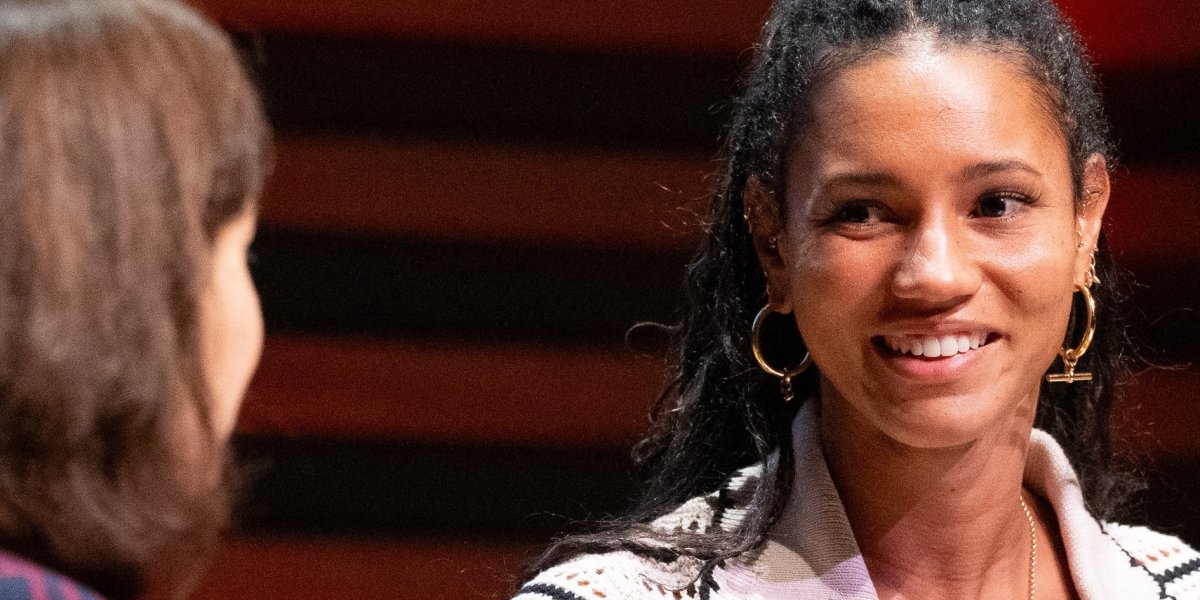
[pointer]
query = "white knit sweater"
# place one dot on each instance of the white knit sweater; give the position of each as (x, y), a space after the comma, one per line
(811, 553)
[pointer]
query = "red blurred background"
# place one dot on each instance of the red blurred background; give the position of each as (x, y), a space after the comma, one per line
(475, 200)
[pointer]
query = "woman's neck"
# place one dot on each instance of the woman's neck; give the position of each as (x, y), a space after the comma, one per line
(933, 523)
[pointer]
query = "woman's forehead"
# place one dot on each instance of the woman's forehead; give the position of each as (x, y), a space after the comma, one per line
(934, 103)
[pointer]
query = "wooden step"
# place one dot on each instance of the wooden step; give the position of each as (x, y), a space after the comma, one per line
(1158, 418)
(262, 568)
(701, 27)
(505, 394)
(488, 193)
(1129, 34)
(1153, 218)
(1118, 32)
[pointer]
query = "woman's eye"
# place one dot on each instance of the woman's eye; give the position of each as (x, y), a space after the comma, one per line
(857, 212)
(1000, 206)
(994, 207)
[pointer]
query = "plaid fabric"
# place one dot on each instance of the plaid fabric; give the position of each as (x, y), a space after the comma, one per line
(23, 580)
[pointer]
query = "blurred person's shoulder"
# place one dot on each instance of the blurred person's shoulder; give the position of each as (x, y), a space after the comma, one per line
(21, 579)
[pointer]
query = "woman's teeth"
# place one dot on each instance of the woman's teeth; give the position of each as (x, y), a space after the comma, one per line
(935, 346)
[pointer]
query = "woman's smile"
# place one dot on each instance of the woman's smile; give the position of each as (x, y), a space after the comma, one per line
(935, 346)
(942, 355)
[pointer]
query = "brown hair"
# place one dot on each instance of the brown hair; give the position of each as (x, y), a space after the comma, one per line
(129, 135)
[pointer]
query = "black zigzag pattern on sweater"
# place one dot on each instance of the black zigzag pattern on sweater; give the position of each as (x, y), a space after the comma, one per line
(547, 589)
(1133, 562)
(723, 502)
(1186, 568)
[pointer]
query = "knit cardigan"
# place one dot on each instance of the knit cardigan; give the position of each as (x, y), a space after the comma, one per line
(811, 553)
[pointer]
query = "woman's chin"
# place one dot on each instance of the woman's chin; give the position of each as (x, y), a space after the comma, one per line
(939, 415)
(936, 433)
(934, 422)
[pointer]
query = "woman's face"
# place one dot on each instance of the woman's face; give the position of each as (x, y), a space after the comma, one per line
(930, 210)
(231, 325)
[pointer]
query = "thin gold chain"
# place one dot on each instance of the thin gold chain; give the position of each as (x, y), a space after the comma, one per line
(1032, 550)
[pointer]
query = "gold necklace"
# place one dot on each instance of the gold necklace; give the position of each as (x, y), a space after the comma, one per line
(1032, 549)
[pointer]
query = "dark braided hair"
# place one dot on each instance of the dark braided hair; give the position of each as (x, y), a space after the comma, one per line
(720, 412)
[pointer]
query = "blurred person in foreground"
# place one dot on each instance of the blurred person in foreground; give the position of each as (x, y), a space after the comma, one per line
(901, 343)
(132, 152)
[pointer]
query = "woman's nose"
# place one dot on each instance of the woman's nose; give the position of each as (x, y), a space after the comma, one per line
(937, 267)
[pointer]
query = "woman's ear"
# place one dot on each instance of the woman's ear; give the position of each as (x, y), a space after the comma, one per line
(765, 222)
(1089, 214)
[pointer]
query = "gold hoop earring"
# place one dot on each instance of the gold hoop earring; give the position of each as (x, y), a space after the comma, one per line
(785, 376)
(1071, 356)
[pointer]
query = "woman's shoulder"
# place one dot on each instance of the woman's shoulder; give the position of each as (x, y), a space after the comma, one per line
(1171, 562)
(664, 573)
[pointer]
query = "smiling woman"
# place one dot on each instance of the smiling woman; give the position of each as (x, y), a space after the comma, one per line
(931, 204)
(901, 341)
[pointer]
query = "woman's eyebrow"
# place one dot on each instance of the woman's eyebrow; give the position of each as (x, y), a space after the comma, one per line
(872, 178)
(983, 169)
(885, 179)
